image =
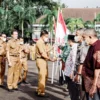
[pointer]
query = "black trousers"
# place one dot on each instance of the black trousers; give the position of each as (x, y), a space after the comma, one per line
(61, 79)
(75, 90)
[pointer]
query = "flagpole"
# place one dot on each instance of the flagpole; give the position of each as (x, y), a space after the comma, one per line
(56, 67)
(58, 44)
(54, 54)
(60, 33)
(53, 70)
(58, 60)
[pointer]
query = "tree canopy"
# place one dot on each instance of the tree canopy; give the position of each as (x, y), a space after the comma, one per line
(20, 14)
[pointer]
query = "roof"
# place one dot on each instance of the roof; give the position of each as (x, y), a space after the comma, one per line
(84, 13)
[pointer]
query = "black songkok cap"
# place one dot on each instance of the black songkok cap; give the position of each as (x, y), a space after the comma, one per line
(71, 37)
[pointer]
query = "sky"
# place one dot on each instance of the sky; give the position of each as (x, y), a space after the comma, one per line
(81, 3)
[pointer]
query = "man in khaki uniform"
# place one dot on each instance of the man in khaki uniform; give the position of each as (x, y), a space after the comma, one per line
(2, 58)
(13, 55)
(41, 62)
(23, 59)
(32, 51)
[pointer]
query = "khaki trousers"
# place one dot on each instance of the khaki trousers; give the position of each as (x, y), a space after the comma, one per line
(42, 74)
(2, 69)
(23, 70)
(33, 55)
(13, 73)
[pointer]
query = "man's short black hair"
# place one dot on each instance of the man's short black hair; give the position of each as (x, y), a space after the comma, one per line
(3, 34)
(14, 31)
(20, 37)
(44, 32)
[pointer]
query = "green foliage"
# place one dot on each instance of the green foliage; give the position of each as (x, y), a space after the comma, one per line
(20, 14)
(77, 23)
(89, 24)
(48, 20)
(97, 19)
(15, 14)
(74, 23)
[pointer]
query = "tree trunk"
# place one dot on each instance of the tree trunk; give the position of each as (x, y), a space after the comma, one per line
(22, 28)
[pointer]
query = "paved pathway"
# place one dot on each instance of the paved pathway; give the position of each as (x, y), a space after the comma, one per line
(26, 92)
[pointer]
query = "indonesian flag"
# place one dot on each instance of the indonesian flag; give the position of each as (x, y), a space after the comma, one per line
(60, 30)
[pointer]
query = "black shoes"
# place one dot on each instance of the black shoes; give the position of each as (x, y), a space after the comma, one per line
(25, 82)
(16, 89)
(43, 96)
(2, 86)
(19, 83)
(10, 90)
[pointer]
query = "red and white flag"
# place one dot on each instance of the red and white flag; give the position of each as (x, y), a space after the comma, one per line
(61, 30)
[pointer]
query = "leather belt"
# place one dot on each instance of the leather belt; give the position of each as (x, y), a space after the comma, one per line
(15, 55)
(39, 58)
(23, 57)
(1, 55)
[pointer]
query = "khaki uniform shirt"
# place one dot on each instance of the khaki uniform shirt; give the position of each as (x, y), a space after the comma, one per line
(32, 48)
(48, 49)
(40, 48)
(23, 53)
(13, 46)
(2, 48)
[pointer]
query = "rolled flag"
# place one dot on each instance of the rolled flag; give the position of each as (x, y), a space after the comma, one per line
(60, 32)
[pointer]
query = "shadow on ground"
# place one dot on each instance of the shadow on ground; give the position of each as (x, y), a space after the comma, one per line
(27, 91)
(50, 89)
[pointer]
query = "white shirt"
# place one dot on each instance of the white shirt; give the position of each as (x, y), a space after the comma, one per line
(70, 62)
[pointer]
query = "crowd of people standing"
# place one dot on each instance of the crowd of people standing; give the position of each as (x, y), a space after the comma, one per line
(80, 63)
(15, 53)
